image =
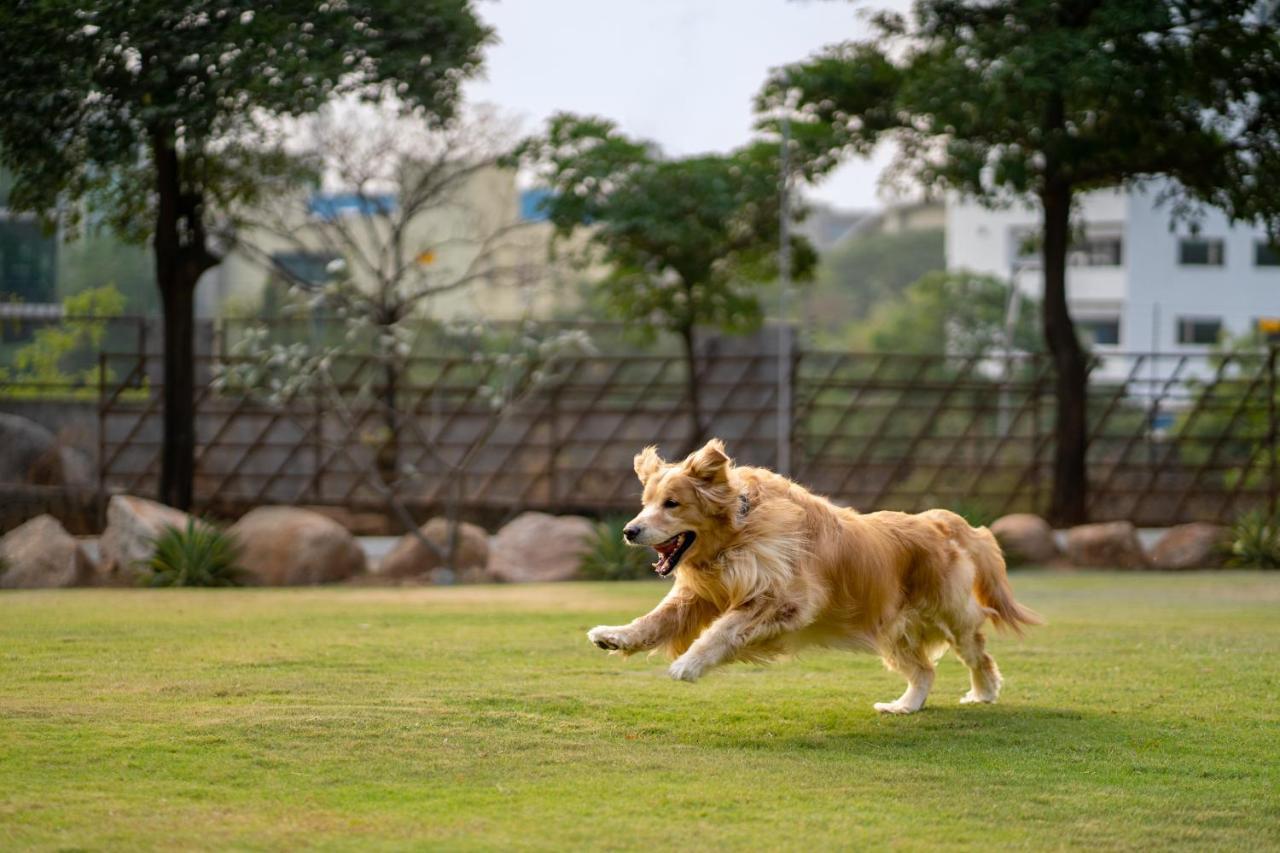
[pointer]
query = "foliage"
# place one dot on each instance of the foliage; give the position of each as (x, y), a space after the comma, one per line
(611, 558)
(1008, 99)
(44, 362)
(865, 271)
(442, 718)
(956, 313)
(200, 555)
(1254, 542)
(87, 91)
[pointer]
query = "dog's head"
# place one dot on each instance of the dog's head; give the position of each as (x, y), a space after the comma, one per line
(686, 504)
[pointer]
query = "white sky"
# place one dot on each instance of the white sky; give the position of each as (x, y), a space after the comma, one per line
(680, 72)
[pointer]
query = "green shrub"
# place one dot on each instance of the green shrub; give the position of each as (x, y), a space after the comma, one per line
(1255, 542)
(201, 555)
(612, 559)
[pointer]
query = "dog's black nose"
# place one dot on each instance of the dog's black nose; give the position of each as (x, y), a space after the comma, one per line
(630, 532)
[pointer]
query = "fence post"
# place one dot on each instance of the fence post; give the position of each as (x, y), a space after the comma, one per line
(1271, 432)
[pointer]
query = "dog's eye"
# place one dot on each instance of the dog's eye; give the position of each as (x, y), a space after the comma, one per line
(670, 504)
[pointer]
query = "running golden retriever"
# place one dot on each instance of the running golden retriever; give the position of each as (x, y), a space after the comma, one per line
(766, 567)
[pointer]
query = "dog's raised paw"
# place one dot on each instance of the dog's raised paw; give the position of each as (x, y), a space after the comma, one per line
(607, 638)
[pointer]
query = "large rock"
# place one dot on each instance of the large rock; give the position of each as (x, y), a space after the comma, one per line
(31, 454)
(286, 546)
(1025, 538)
(409, 558)
(1110, 545)
(540, 547)
(357, 523)
(128, 542)
(1190, 546)
(42, 554)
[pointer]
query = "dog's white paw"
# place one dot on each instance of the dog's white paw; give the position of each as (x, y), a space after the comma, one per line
(972, 698)
(686, 669)
(896, 707)
(609, 638)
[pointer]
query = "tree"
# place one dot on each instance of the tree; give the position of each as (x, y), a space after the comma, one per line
(1049, 99)
(683, 242)
(146, 106)
(406, 214)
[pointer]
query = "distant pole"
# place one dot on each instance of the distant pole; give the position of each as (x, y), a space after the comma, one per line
(784, 294)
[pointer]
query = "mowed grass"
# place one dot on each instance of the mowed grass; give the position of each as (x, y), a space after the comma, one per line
(1145, 715)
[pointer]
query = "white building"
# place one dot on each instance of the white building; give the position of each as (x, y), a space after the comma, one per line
(1134, 283)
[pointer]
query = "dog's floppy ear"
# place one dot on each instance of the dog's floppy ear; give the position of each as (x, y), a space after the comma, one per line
(647, 463)
(710, 464)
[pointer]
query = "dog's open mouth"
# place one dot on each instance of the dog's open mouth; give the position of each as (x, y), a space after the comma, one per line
(670, 552)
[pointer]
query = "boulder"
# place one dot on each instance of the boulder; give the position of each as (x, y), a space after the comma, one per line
(409, 558)
(286, 546)
(42, 554)
(31, 454)
(1190, 546)
(357, 523)
(539, 547)
(1025, 538)
(1110, 545)
(127, 542)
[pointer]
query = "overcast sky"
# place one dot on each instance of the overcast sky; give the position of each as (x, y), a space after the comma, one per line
(680, 72)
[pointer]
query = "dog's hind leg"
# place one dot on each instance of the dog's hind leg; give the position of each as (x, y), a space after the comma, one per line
(984, 675)
(912, 661)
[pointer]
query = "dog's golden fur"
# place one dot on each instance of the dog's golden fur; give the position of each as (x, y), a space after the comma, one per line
(773, 567)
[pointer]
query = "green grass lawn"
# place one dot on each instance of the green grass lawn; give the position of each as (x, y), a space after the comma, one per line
(1144, 715)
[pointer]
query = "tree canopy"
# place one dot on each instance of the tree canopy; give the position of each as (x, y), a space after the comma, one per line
(1051, 98)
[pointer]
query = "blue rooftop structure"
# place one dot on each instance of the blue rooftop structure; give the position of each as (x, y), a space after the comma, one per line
(333, 205)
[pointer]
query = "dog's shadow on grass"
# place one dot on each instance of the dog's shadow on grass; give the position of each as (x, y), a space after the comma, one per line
(989, 732)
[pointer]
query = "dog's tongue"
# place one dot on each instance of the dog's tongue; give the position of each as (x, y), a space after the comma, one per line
(668, 547)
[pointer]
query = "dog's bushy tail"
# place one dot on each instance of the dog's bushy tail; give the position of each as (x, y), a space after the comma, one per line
(991, 584)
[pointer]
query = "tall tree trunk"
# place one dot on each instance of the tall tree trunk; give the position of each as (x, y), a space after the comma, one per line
(181, 258)
(1070, 478)
(693, 390)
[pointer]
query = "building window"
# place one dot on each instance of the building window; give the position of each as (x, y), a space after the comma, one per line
(1199, 330)
(1099, 331)
(305, 269)
(1198, 252)
(1266, 254)
(1096, 251)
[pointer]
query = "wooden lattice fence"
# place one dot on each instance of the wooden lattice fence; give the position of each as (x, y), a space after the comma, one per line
(1173, 437)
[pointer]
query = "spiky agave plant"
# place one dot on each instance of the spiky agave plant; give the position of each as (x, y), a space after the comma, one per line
(610, 558)
(1255, 542)
(200, 555)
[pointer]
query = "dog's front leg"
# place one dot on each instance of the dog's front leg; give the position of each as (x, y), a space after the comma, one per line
(738, 628)
(648, 631)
